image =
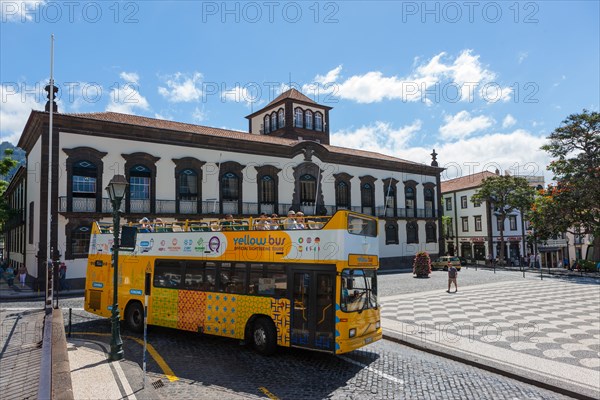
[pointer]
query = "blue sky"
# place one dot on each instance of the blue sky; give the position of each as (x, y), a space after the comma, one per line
(481, 82)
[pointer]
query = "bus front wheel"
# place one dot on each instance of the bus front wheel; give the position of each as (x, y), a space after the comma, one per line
(264, 336)
(134, 317)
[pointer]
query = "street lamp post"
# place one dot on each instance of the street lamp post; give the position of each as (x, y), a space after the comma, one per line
(116, 191)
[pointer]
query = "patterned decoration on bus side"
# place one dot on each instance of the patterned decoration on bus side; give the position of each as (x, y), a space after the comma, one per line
(226, 314)
(281, 315)
(165, 307)
(192, 310)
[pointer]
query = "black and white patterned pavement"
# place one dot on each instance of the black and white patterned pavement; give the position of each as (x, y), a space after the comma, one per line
(546, 330)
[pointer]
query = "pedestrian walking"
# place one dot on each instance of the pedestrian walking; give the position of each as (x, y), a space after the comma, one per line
(22, 274)
(62, 276)
(452, 276)
(9, 275)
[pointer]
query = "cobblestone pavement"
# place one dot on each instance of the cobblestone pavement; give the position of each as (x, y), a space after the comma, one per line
(212, 367)
(529, 327)
(20, 355)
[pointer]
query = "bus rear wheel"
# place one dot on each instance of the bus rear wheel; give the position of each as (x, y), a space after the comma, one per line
(264, 336)
(134, 317)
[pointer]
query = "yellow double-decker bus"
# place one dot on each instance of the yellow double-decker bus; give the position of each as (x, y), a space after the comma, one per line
(313, 288)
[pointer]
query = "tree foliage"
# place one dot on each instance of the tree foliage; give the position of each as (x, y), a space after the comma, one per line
(6, 164)
(573, 203)
(505, 194)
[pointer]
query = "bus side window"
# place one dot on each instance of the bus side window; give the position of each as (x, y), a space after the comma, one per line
(167, 274)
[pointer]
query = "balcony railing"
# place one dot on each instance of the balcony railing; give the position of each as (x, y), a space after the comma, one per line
(191, 207)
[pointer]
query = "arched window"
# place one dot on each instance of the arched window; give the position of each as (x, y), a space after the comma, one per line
(409, 194)
(188, 185)
(389, 193)
(430, 232)
(281, 118)
(298, 116)
(429, 203)
(267, 124)
(229, 187)
(308, 119)
(412, 233)
(84, 177)
(391, 232)
(274, 121)
(139, 188)
(342, 195)
(308, 189)
(366, 197)
(80, 241)
(267, 190)
(318, 122)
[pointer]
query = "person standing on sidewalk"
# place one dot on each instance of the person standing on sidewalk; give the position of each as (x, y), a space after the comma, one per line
(452, 276)
(22, 274)
(62, 276)
(9, 275)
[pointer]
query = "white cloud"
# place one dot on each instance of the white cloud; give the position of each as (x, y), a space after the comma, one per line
(124, 99)
(380, 137)
(130, 77)
(438, 79)
(15, 109)
(522, 56)
(182, 87)
(198, 115)
(330, 77)
(508, 121)
(20, 11)
(461, 125)
(517, 152)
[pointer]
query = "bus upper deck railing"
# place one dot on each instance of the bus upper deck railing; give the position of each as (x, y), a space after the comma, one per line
(220, 225)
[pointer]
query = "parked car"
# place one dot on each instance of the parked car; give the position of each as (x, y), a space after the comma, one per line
(442, 263)
(463, 261)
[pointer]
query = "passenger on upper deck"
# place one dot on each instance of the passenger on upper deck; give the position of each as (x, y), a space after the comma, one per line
(290, 221)
(300, 221)
(262, 223)
(145, 225)
(228, 224)
(274, 223)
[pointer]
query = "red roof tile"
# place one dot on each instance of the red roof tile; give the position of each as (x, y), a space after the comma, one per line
(291, 94)
(239, 135)
(465, 182)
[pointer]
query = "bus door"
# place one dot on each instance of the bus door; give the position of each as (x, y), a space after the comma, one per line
(313, 309)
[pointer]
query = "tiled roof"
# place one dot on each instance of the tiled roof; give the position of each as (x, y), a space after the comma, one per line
(239, 135)
(465, 182)
(291, 94)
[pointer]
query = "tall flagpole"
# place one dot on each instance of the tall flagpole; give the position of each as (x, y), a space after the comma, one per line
(50, 163)
(218, 179)
(387, 196)
(317, 191)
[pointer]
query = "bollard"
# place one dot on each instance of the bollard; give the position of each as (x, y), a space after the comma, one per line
(70, 312)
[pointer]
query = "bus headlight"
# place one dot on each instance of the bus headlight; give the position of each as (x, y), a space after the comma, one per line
(377, 324)
(352, 332)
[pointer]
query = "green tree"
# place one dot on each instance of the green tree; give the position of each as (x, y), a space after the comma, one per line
(6, 164)
(504, 194)
(573, 203)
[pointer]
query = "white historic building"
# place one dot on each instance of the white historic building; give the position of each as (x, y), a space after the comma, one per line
(473, 231)
(179, 171)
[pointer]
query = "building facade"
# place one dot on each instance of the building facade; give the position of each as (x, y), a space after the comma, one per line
(472, 230)
(179, 171)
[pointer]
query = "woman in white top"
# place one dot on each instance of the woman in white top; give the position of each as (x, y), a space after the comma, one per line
(290, 221)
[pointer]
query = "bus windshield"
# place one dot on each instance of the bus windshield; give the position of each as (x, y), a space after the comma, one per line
(359, 290)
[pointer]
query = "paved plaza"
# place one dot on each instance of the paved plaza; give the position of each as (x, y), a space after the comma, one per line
(544, 330)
